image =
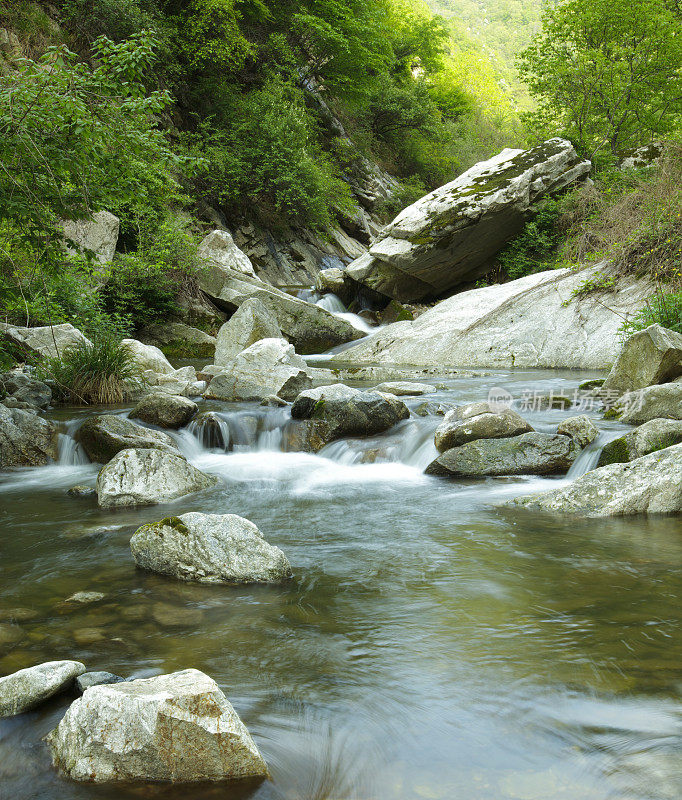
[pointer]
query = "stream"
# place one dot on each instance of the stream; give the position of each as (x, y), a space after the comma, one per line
(432, 644)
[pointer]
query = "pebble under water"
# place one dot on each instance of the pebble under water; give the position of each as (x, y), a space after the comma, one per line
(433, 644)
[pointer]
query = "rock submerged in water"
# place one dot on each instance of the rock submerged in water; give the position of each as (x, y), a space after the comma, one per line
(339, 411)
(405, 388)
(141, 477)
(648, 485)
(90, 679)
(648, 357)
(105, 435)
(209, 548)
(29, 687)
(527, 454)
(478, 421)
(449, 236)
(178, 728)
(165, 410)
(26, 439)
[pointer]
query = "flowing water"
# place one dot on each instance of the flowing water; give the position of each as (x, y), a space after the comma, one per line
(432, 644)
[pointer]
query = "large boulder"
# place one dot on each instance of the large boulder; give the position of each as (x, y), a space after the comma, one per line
(21, 691)
(156, 371)
(250, 323)
(478, 421)
(179, 340)
(107, 434)
(308, 327)
(26, 440)
(165, 410)
(24, 389)
(48, 341)
(652, 402)
(581, 429)
(98, 235)
(450, 236)
(648, 357)
(142, 477)
(341, 411)
(178, 727)
(219, 249)
(209, 548)
(536, 321)
(527, 454)
(148, 358)
(657, 434)
(648, 485)
(268, 367)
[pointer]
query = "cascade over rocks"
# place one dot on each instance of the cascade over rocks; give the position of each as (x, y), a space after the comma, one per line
(527, 454)
(209, 548)
(21, 691)
(26, 440)
(178, 727)
(268, 367)
(478, 421)
(165, 410)
(143, 477)
(107, 434)
(647, 485)
(47, 341)
(657, 434)
(450, 236)
(536, 321)
(339, 411)
(310, 328)
(648, 357)
(250, 323)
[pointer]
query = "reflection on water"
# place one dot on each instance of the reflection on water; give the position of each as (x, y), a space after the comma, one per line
(431, 645)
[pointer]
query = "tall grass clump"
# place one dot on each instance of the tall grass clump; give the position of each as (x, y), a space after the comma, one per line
(93, 373)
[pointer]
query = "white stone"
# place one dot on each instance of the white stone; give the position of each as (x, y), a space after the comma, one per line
(139, 477)
(148, 357)
(178, 727)
(99, 235)
(218, 248)
(209, 548)
(250, 323)
(21, 691)
(648, 357)
(47, 341)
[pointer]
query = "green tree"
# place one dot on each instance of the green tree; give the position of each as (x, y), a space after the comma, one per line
(607, 72)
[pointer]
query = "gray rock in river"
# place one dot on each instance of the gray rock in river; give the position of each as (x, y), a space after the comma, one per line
(21, 691)
(344, 411)
(250, 323)
(105, 435)
(649, 485)
(405, 388)
(209, 548)
(178, 727)
(527, 454)
(268, 367)
(26, 439)
(25, 389)
(478, 421)
(450, 236)
(652, 402)
(142, 477)
(581, 429)
(648, 357)
(657, 434)
(179, 340)
(90, 679)
(47, 341)
(165, 410)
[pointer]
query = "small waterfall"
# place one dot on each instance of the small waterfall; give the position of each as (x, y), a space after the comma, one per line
(331, 302)
(588, 458)
(69, 452)
(236, 431)
(211, 430)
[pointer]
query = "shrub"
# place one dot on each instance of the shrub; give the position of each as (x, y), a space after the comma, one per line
(534, 249)
(664, 308)
(95, 373)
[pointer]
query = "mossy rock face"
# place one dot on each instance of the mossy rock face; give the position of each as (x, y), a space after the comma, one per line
(182, 349)
(615, 452)
(593, 384)
(167, 522)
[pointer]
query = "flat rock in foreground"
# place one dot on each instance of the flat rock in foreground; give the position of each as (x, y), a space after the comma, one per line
(21, 691)
(143, 477)
(450, 236)
(649, 485)
(178, 727)
(528, 454)
(209, 548)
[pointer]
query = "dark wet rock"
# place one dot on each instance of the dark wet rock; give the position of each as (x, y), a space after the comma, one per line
(89, 679)
(528, 454)
(26, 439)
(655, 435)
(82, 491)
(105, 435)
(165, 410)
(24, 389)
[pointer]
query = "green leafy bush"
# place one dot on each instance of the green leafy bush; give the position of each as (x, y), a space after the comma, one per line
(534, 249)
(664, 308)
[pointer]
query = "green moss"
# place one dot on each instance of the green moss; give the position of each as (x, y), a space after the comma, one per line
(167, 522)
(179, 348)
(318, 409)
(615, 452)
(594, 384)
(612, 414)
